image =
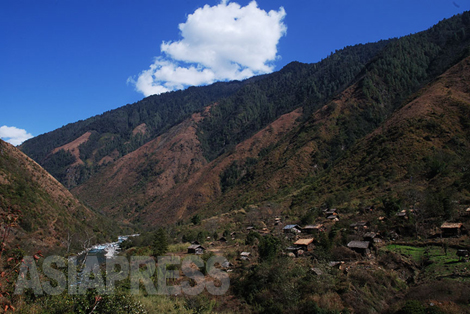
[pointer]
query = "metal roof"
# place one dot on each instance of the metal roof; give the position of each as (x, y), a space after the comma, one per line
(370, 235)
(359, 223)
(358, 244)
(290, 226)
(195, 246)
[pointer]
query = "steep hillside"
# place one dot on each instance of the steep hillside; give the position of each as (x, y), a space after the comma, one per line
(419, 153)
(422, 148)
(76, 151)
(132, 187)
(168, 179)
(244, 108)
(37, 212)
(328, 134)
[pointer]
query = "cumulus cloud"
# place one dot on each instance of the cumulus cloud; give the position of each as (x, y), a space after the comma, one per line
(14, 135)
(222, 42)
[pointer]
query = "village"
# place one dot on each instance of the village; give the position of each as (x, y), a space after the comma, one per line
(341, 253)
(350, 241)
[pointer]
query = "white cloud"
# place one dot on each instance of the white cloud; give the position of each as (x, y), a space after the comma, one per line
(222, 42)
(13, 135)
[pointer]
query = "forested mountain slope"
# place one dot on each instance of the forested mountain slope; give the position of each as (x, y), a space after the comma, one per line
(315, 145)
(273, 137)
(75, 151)
(245, 107)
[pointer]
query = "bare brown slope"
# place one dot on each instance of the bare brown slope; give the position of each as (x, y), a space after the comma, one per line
(204, 186)
(128, 187)
(50, 218)
(168, 178)
(72, 147)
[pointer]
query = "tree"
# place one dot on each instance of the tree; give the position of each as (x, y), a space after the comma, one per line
(251, 238)
(439, 203)
(268, 248)
(412, 307)
(391, 205)
(160, 243)
(196, 219)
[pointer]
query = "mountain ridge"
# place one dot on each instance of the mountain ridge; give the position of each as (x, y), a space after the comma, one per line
(343, 98)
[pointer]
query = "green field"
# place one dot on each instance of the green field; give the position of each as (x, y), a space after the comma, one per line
(434, 261)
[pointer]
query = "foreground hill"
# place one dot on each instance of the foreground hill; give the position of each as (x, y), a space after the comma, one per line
(39, 213)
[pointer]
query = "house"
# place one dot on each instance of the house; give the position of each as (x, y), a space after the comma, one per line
(361, 247)
(227, 265)
(402, 214)
(462, 254)
(292, 228)
(336, 264)
(223, 240)
(245, 256)
(449, 229)
(316, 271)
(305, 244)
(313, 228)
(393, 235)
(196, 249)
(292, 249)
(264, 231)
(360, 225)
(329, 212)
(370, 236)
(333, 217)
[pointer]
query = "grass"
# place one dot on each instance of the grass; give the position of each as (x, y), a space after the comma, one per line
(162, 304)
(178, 247)
(435, 261)
(181, 304)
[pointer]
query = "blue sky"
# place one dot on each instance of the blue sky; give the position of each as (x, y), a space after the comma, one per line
(66, 60)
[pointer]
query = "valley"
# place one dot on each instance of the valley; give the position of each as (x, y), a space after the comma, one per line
(341, 186)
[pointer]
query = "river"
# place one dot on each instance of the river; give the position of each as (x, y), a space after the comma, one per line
(103, 251)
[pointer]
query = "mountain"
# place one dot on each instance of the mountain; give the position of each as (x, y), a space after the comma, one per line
(76, 151)
(419, 153)
(39, 213)
(378, 133)
(293, 137)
